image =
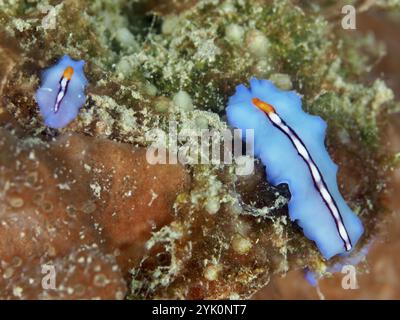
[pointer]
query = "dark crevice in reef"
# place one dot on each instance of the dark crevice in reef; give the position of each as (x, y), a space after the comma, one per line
(141, 20)
(255, 192)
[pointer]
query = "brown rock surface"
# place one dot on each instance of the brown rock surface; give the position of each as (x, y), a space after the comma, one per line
(78, 199)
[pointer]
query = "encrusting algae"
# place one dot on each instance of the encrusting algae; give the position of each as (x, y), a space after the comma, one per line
(84, 198)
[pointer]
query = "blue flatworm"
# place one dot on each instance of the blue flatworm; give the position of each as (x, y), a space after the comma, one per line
(290, 143)
(62, 92)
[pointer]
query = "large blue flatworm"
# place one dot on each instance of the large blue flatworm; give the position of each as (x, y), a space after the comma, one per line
(290, 143)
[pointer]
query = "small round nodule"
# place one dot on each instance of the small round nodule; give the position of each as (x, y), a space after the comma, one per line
(257, 43)
(240, 244)
(234, 33)
(212, 272)
(183, 101)
(162, 104)
(282, 81)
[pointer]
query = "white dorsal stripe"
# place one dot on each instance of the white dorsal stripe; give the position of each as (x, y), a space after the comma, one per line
(61, 93)
(316, 176)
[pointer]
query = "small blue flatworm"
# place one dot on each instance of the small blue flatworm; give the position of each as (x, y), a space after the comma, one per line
(290, 143)
(62, 92)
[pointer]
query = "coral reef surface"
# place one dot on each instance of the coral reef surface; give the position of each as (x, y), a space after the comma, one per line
(85, 200)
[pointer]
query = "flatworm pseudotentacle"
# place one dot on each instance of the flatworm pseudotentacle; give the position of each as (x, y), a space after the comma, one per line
(315, 204)
(62, 92)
